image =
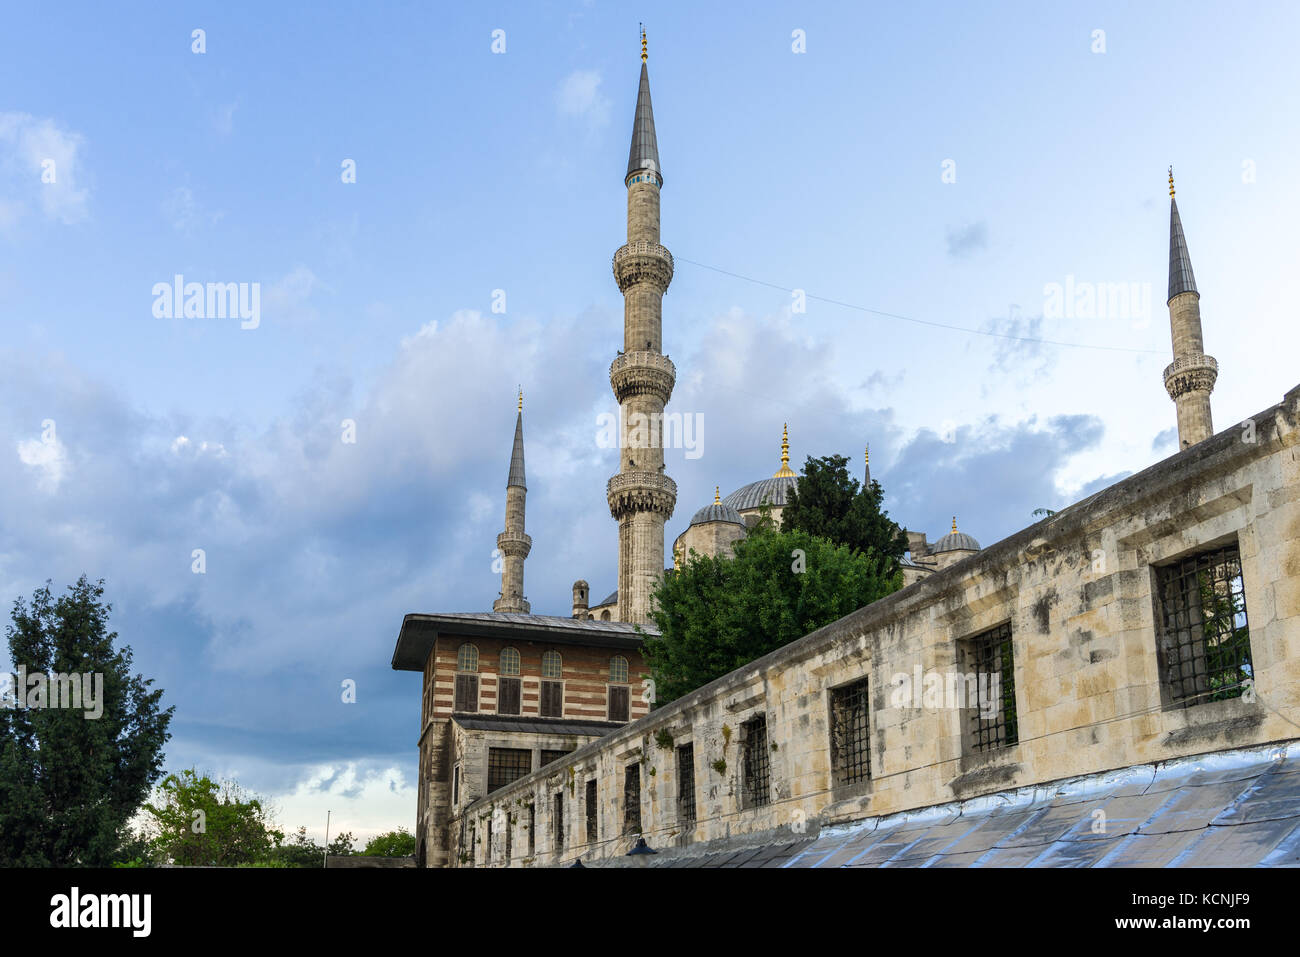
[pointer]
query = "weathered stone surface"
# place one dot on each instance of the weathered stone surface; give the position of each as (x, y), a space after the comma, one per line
(1087, 674)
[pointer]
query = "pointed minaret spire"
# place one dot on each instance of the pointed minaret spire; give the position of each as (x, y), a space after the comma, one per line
(1181, 279)
(516, 476)
(514, 544)
(784, 470)
(866, 461)
(643, 157)
(1190, 378)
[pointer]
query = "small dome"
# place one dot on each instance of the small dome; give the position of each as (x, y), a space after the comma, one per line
(954, 542)
(774, 491)
(717, 512)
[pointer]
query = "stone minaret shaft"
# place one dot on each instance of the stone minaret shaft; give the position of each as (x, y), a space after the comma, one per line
(641, 497)
(514, 543)
(1189, 379)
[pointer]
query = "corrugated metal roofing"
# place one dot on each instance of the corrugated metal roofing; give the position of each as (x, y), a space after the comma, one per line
(1228, 809)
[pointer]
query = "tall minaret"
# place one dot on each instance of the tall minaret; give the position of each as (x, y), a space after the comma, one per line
(514, 543)
(641, 497)
(1189, 379)
(866, 462)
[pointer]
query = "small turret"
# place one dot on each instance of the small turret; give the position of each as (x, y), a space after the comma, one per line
(580, 592)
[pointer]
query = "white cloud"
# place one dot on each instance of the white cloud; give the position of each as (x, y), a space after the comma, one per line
(39, 165)
(579, 95)
(289, 298)
(224, 119)
(48, 458)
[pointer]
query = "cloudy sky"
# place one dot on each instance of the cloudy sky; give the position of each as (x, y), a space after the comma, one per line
(923, 175)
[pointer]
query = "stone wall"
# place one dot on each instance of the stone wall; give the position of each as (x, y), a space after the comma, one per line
(1078, 592)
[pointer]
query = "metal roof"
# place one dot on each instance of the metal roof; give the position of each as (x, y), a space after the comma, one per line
(713, 512)
(1180, 262)
(771, 490)
(534, 725)
(644, 152)
(517, 456)
(955, 541)
(1236, 808)
(416, 637)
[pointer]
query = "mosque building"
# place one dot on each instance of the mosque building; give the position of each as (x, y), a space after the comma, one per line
(507, 692)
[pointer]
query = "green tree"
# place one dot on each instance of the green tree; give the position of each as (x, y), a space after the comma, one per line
(716, 614)
(827, 502)
(198, 821)
(342, 845)
(70, 781)
(399, 843)
(298, 851)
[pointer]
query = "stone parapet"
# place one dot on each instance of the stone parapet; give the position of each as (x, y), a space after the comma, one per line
(643, 261)
(515, 544)
(630, 492)
(642, 373)
(1190, 373)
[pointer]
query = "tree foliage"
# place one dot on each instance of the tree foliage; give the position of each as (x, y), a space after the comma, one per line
(828, 503)
(69, 782)
(399, 843)
(195, 820)
(716, 614)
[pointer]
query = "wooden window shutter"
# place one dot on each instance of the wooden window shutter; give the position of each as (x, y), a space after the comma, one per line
(618, 703)
(466, 693)
(508, 696)
(552, 699)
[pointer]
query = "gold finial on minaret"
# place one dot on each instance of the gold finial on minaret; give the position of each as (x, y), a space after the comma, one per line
(643, 49)
(521, 398)
(1171, 181)
(954, 524)
(717, 495)
(866, 454)
(784, 470)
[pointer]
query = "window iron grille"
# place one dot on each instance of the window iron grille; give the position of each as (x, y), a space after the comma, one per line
(593, 813)
(506, 765)
(994, 723)
(1205, 633)
(850, 733)
(757, 763)
(686, 783)
(632, 799)
(557, 806)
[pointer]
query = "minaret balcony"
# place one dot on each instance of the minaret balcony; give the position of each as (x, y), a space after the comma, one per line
(1191, 373)
(515, 544)
(643, 261)
(630, 492)
(642, 373)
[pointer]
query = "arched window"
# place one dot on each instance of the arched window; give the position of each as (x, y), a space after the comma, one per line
(509, 661)
(467, 657)
(618, 669)
(604, 615)
(552, 664)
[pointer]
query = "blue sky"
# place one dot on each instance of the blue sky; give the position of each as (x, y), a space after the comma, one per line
(476, 171)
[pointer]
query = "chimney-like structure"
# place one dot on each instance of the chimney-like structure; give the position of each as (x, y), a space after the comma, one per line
(1189, 379)
(514, 543)
(580, 592)
(641, 497)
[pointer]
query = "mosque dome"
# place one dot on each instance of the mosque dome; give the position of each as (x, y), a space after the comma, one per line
(955, 541)
(717, 511)
(774, 491)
